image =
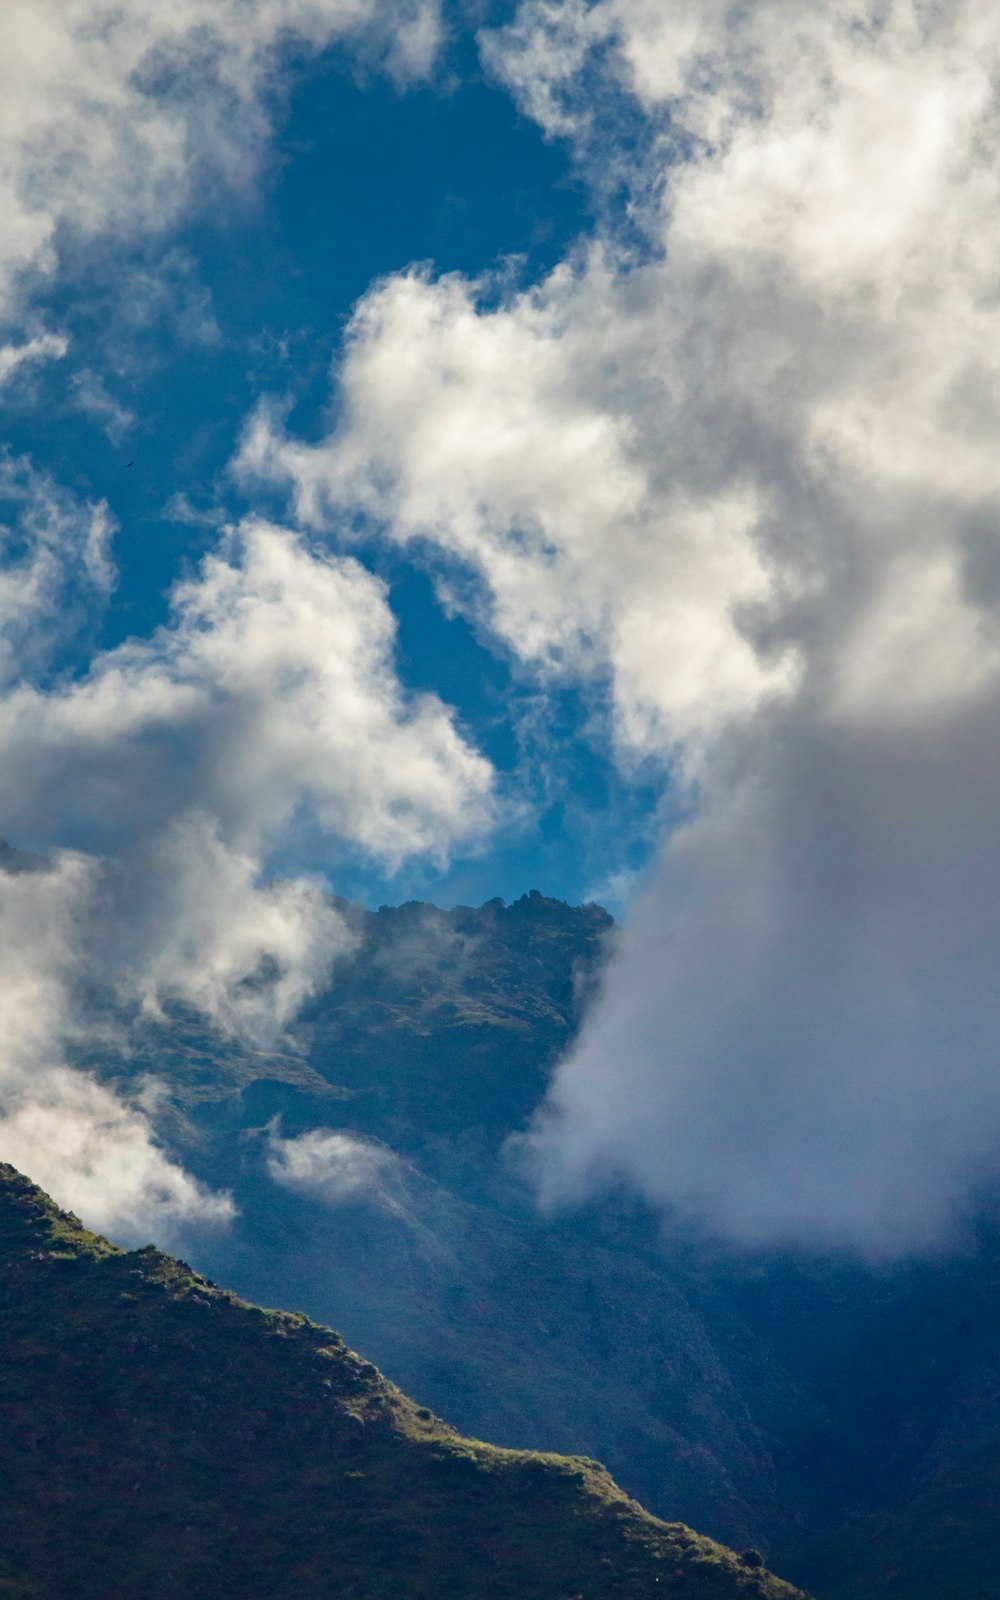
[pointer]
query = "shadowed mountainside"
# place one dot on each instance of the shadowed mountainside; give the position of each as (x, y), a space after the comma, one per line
(770, 1398)
(433, 1043)
(163, 1440)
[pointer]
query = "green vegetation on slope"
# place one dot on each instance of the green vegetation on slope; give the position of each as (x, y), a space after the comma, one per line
(163, 1440)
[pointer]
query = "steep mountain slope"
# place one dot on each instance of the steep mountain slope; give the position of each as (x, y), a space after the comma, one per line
(771, 1399)
(436, 1034)
(920, 1379)
(163, 1439)
(543, 1337)
(579, 1334)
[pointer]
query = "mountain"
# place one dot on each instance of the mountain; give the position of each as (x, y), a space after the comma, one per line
(433, 1043)
(164, 1440)
(12, 860)
(437, 1034)
(806, 1404)
(921, 1383)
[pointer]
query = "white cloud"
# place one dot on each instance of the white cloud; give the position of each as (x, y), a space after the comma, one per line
(43, 347)
(749, 473)
(331, 1166)
(183, 916)
(113, 117)
(273, 690)
(96, 1155)
(55, 565)
(521, 442)
(90, 395)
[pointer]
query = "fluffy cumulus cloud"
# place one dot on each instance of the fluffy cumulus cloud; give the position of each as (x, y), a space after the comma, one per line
(113, 116)
(271, 694)
(520, 442)
(737, 468)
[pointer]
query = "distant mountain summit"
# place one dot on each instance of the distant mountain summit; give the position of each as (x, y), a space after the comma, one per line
(164, 1440)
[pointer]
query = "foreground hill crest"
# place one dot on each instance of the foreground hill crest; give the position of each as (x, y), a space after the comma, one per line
(164, 1439)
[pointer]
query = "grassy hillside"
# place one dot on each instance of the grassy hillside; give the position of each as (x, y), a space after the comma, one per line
(163, 1440)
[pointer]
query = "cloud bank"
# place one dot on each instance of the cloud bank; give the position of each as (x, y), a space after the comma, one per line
(735, 468)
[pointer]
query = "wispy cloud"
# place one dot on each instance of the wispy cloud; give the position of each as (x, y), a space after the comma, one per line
(331, 1166)
(16, 357)
(114, 118)
(90, 394)
(56, 567)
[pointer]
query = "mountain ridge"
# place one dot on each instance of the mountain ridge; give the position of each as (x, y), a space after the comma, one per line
(164, 1438)
(833, 1412)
